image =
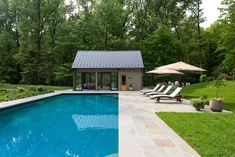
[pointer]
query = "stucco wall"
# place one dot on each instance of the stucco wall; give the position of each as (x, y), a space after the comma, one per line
(136, 78)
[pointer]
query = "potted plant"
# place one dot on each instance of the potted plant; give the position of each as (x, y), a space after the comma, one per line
(216, 103)
(198, 103)
(131, 87)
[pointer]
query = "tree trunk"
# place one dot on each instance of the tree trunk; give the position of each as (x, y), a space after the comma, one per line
(199, 33)
(106, 39)
(38, 27)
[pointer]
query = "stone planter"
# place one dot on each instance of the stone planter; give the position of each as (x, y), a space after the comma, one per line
(131, 88)
(216, 105)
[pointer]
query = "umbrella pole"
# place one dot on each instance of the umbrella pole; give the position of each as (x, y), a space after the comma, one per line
(152, 80)
(180, 81)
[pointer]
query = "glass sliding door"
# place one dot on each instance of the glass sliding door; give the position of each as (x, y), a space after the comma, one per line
(88, 81)
(114, 81)
(104, 81)
(78, 81)
(108, 81)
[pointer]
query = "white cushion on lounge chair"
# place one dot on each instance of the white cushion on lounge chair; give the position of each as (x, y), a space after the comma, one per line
(159, 90)
(164, 92)
(155, 88)
(152, 90)
(172, 95)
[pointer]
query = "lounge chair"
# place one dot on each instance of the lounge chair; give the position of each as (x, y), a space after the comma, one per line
(160, 93)
(159, 90)
(171, 96)
(150, 90)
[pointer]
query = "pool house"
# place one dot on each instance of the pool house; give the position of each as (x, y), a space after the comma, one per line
(108, 70)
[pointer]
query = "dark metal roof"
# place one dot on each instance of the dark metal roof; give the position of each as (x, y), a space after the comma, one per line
(108, 59)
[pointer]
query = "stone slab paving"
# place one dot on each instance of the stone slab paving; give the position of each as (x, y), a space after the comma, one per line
(143, 134)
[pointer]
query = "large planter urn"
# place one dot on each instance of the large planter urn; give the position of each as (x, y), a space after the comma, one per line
(216, 105)
(131, 87)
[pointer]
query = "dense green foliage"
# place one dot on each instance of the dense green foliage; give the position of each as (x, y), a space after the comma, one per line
(210, 134)
(12, 92)
(208, 89)
(39, 38)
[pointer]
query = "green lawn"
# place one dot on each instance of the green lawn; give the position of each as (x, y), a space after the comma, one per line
(12, 92)
(210, 134)
(206, 89)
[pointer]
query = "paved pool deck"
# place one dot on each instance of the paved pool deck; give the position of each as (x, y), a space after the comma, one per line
(141, 132)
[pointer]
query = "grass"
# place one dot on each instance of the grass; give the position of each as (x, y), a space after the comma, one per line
(210, 134)
(207, 89)
(12, 92)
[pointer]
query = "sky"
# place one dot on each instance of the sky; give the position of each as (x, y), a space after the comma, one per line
(211, 12)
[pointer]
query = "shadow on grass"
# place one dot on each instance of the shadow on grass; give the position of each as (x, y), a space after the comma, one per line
(229, 106)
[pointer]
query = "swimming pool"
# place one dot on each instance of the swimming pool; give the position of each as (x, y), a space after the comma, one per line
(64, 125)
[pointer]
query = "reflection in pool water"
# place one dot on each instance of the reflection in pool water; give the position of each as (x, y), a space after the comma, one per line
(95, 121)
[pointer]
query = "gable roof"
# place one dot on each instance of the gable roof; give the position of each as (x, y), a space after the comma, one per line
(108, 59)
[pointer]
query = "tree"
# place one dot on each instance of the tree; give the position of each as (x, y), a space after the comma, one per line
(37, 26)
(39, 38)
(227, 40)
(160, 48)
(9, 41)
(197, 17)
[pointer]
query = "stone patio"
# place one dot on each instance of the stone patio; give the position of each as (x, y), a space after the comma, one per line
(141, 132)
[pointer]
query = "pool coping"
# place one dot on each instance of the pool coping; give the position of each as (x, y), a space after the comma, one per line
(17, 102)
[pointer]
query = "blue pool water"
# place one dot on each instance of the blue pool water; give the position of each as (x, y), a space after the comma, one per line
(65, 125)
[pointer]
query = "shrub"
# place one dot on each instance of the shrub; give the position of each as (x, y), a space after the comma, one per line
(20, 89)
(217, 85)
(223, 77)
(3, 90)
(210, 78)
(198, 103)
(203, 78)
(41, 88)
(33, 88)
(36, 89)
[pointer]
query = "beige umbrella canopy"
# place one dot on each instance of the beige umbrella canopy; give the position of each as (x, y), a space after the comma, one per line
(181, 66)
(164, 71)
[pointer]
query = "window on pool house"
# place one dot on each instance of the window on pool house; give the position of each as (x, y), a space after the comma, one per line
(78, 81)
(88, 81)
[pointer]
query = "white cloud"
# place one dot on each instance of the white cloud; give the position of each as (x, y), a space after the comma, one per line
(211, 11)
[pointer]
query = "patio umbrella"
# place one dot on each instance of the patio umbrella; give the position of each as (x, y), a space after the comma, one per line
(181, 66)
(164, 71)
